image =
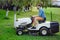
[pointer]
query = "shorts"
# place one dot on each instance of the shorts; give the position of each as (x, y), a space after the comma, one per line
(42, 20)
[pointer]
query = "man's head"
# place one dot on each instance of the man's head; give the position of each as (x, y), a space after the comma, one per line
(39, 5)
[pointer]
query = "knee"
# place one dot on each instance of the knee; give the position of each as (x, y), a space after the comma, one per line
(35, 18)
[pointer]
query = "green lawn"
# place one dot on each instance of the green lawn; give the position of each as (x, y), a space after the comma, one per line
(7, 31)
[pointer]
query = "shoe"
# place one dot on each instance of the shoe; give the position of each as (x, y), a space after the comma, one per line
(33, 28)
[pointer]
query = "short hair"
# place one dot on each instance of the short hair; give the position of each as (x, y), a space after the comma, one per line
(40, 4)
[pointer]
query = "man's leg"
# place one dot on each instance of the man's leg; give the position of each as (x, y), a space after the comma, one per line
(36, 19)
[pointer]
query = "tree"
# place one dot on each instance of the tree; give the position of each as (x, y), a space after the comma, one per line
(46, 2)
(4, 3)
(7, 10)
(21, 3)
(35, 2)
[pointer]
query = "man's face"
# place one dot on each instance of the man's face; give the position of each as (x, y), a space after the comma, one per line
(38, 7)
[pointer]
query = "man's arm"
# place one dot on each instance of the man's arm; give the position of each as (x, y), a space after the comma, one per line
(34, 15)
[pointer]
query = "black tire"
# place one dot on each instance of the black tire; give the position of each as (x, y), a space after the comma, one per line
(43, 31)
(19, 32)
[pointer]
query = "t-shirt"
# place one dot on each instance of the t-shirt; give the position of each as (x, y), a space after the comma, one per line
(41, 13)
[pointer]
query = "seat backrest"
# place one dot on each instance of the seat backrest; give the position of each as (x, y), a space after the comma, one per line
(42, 21)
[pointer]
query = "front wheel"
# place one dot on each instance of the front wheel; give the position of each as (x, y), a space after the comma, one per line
(43, 31)
(19, 32)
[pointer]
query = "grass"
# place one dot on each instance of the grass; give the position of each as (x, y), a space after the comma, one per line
(7, 31)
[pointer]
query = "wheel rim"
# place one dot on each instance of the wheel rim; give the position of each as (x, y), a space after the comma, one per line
(20, 32)
(44, 32)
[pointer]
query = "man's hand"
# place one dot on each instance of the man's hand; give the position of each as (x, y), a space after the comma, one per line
(34, 16)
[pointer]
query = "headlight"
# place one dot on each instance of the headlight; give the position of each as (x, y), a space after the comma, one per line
(16, 20)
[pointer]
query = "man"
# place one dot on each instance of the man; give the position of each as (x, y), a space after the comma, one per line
(41, 16)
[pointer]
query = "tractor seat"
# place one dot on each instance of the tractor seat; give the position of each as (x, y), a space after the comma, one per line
(42, 21)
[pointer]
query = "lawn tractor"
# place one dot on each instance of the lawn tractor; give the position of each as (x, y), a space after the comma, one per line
(43, 28)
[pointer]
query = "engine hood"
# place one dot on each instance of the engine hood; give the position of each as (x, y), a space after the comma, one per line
(23, 21)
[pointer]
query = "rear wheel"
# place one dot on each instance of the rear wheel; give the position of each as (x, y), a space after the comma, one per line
(43, 31)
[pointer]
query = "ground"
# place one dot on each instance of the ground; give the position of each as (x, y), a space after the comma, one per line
(7, 31)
